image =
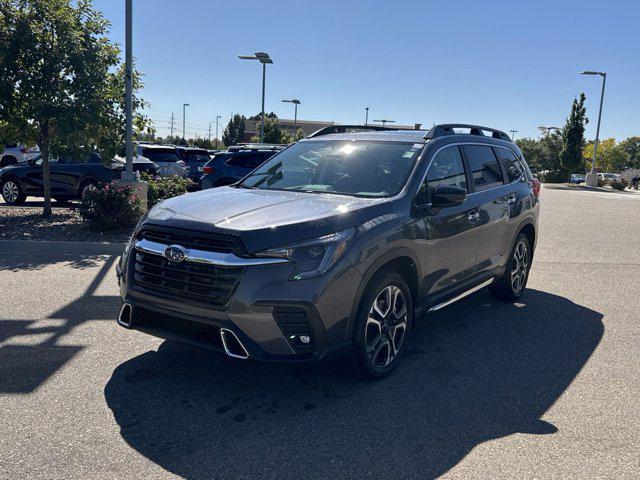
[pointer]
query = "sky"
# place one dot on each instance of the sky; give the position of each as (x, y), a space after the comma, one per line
(509, 65)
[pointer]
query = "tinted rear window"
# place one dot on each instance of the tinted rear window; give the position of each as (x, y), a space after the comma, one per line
(511, 163)
(194, 156)
(156, 155)
(484, 166)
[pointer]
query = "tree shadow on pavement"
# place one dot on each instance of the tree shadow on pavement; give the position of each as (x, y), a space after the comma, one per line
(23, 368)
(475, 371)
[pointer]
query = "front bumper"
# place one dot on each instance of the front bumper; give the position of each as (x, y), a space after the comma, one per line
(264, 313)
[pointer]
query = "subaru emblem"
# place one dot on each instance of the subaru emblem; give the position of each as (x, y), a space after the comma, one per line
(175, 253)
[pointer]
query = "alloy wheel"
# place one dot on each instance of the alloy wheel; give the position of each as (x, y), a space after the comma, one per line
(386, 326)
(520, 267)
(10, 191)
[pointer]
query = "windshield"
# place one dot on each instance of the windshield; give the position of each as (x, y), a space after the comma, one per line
(160, 155)
(357, 168)
(196, 157)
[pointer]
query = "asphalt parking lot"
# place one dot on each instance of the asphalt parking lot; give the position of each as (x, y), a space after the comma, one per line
(545, 388)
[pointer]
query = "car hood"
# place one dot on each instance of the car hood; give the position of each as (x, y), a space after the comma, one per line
(266, 218)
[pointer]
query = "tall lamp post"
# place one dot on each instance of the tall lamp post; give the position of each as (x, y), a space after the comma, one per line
(218, 117)
(592, 177)
(263, 58)
(184, 115)
(128, 103)
(296, 102)
(366, 116)
(513, 134)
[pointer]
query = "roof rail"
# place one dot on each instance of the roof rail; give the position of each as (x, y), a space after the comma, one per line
(448, 129)
(349, 128)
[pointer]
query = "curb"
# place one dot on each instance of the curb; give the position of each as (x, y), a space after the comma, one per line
(45, 247)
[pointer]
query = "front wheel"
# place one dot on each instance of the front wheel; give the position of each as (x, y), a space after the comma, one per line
(12, 192)
(510, 286)
(382, 326)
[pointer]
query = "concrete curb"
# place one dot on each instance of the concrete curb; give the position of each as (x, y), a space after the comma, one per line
(42, 247)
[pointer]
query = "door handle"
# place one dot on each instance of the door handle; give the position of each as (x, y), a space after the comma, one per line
(473, 216)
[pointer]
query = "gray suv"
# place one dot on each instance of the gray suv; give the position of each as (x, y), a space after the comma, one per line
(336, 244)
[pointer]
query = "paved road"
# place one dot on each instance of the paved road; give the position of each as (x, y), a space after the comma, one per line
(545, 388)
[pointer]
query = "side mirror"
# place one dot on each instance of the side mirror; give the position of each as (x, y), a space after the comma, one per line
(448, 196)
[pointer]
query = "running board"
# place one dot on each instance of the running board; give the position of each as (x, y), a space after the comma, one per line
(461, 296)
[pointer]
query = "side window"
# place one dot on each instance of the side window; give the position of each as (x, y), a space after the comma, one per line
(511, 163)
(446, 168)
(484, 166)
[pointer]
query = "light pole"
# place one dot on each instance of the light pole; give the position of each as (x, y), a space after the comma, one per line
(384, 121)
(218, 117)
(263, 58)
(592, 177)
(184, 113)
(128, 103)
(548, 129)
(513, 134)
(366, 116)
(296, 102)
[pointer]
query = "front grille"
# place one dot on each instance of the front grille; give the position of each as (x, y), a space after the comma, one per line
(294, 323)
(194, 282)
(193, 239)
(162, 323)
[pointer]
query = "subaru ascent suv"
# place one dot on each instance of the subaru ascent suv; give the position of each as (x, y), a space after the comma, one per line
(337, 243)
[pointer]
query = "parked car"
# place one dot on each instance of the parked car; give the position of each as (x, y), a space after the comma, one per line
(577, 178)
(140, 164)
(17, 153)
(165, 157)
(228, 167)
(336, 244)
(609, 176)
(195, 160)
(69, 178)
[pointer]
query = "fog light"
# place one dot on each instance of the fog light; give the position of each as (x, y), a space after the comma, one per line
(305, 338)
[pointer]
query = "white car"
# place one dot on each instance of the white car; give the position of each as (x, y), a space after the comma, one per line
(165, 157)
(609, 176)
(17, 153)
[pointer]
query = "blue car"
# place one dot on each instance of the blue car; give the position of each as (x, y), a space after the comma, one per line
(228, 167)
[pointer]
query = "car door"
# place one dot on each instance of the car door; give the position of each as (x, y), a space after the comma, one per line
(65, 175)
(34, 179)
(493, 198)
(452, 233)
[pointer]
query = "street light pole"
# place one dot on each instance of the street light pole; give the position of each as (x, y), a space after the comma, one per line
(592, 177)
(366, 116)
(128, 102)
(184, 113)
(263, 58)
(296, 102)
(513, 134)
(218, 117)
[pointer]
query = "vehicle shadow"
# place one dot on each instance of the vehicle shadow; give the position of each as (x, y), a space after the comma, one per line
(475, 371)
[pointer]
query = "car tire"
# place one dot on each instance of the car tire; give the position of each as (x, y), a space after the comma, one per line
(511, 284)
(84, 186)
(382, 326)
(12, 192)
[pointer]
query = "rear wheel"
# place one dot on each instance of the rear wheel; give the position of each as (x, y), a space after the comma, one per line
(382, 327)
(8, 160)
(12, 192)
(510, 286)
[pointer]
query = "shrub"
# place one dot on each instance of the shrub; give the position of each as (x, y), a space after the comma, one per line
(552, 176)
(619, 184)
(110, 208)
(162, 188)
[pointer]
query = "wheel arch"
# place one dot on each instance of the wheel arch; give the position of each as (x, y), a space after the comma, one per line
(402, 261)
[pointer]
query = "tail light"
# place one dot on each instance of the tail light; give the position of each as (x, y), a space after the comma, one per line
(536, 187)
(207, 169)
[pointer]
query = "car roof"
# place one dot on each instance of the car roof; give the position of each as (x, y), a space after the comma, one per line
(404, 136)
(157, 147)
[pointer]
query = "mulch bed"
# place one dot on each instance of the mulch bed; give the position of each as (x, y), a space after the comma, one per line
(27, 223)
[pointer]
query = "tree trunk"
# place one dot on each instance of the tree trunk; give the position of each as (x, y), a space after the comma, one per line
(45, 142)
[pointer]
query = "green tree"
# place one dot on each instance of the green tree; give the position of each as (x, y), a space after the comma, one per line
(273, 132)
(234, 132)
(61, 79)
(551, 148)
(632, 147)
(612, 156)
(299, 135)
(573, 138)
(532, 151)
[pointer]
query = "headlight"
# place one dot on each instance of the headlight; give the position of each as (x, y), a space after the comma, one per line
(313, 257)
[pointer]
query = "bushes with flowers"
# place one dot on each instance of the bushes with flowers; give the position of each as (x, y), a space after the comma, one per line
(161, 188)
(110, 207)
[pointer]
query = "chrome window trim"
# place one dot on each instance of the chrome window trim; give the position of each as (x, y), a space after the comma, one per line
(205, 257)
